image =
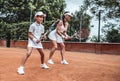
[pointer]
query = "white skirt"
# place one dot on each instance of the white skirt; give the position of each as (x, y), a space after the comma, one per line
(54, 36)
(34, 45)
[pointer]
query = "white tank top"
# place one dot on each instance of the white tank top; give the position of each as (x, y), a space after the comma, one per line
(62, 29)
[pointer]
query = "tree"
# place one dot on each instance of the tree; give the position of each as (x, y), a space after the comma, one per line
(110, 10)
(80, 22)
(112, 34)
(110, 7)
(17, 12)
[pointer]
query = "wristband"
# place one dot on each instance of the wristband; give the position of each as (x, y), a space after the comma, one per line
(34, 39)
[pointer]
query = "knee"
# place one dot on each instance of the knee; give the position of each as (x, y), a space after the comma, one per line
(54, 47)
(63, 46)
(42, 55)
(28, 54)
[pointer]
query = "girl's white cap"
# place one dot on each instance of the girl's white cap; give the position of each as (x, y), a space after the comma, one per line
(40, 13)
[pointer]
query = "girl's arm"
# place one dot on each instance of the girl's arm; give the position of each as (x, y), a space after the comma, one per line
(33, 38)
(30, 35)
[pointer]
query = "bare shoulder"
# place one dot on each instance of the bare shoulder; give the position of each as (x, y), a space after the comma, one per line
(66, 25)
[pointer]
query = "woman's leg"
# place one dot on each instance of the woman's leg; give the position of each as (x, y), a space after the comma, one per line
(54, 47)
(24, 59)
(62, 50)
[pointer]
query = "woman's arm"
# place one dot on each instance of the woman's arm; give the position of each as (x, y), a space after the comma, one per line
(66, 27)
(58, 31)
(58, 27)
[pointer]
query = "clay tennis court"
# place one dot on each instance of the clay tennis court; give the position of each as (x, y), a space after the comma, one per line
(82, 66)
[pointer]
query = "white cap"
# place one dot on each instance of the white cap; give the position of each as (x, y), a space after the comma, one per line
(40, 14)
(68, 13)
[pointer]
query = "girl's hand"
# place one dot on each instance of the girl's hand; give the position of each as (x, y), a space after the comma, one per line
(44, 37)
(39, 40)
(34, 40)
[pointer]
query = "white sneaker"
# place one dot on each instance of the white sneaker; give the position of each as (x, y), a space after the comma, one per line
(44, 66)
(64, 62)
(50, 61)
(20, 70)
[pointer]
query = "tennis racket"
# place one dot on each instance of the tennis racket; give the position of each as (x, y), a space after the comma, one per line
(76, 35)
(52, 27)
(42, 36)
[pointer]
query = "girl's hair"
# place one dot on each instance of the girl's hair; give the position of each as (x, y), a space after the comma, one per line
(64, 17)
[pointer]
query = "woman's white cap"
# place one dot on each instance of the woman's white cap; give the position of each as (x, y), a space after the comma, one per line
(68, 13)
(40, 13)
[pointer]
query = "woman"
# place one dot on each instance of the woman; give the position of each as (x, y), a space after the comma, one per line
(57, 35)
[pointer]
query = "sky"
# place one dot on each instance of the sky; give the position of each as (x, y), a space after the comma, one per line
(73, 5)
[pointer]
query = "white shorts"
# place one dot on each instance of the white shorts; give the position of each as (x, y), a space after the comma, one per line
(54, 36)
(34, 45)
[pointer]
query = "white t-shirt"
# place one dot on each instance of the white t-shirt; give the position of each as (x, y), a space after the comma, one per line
(37, 30)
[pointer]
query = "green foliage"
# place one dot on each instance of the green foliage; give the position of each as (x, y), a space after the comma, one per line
(17, 13)
(110, 7)
(20, 10)
(19, 31)
(94, 39)
(79, 18)
(110, 10)
(112, 34)
(16, 31)
(2, 30)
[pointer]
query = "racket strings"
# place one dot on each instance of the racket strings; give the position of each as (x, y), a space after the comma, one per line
(76, 35)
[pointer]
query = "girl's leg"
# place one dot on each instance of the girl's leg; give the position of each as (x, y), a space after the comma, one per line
(41, 54)
(24, 59)
(43, 65)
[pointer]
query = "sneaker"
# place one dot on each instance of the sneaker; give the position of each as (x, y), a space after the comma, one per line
(50, 61)
(64, 62)
(44, 66)
(20, 70)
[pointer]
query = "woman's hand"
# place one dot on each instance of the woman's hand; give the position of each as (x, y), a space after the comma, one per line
(67, 37)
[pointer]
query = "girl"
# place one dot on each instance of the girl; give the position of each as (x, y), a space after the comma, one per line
(34, 41)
